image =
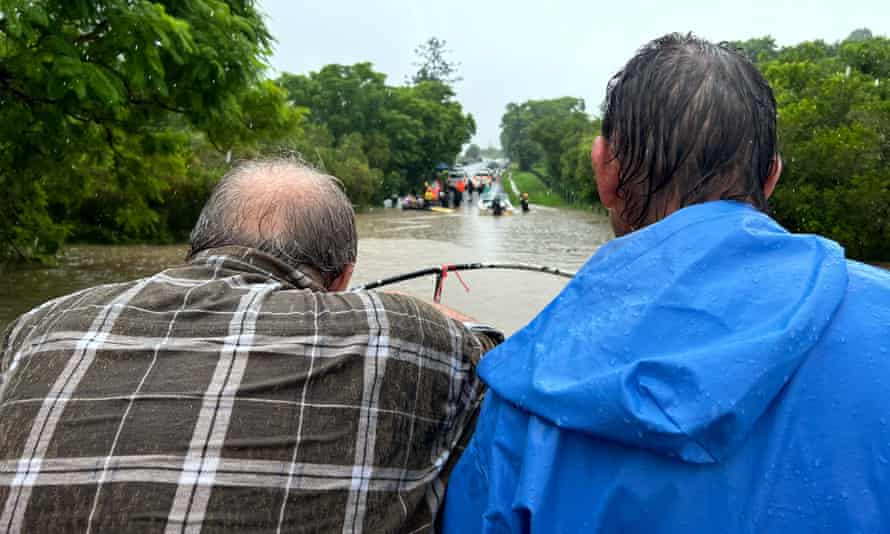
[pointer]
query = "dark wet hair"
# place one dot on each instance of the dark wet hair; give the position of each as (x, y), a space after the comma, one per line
(689, 121)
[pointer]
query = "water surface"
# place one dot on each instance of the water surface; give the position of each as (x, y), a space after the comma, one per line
(391, 241)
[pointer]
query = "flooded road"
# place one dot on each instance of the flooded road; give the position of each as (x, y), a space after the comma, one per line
(391, 242)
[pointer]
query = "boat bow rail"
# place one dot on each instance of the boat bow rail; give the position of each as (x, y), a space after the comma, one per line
(441, 272)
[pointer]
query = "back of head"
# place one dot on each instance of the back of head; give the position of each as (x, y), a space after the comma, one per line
(284, 208)
(689, 121)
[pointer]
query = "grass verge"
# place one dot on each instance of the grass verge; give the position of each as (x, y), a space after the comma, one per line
(538, 192)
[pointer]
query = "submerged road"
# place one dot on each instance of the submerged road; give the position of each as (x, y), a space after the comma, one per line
(391, 242)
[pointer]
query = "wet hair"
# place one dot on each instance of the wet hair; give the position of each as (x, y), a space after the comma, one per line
(284, 208)
(689, 121)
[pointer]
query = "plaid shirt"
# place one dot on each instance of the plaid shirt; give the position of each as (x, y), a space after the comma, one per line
(231, 394)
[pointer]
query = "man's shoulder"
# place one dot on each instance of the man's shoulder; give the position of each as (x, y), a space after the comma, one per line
(81, 304)
(69, 317)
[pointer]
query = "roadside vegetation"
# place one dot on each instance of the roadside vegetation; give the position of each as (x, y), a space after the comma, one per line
(834, 135)
(118, 117)
(538, 192)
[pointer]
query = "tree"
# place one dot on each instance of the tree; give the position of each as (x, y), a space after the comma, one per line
(402, 132)
(433, 63)
(472, 153)
(515, 139)
(861, 34)
(555, 134)
(757, 49)
(534, 131)
(345, 98)
(556, 121)
(102, 104)
(438, 128)
(576, 175)
(491, 152)
(834, 123)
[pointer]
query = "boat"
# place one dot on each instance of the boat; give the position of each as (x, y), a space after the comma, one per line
(440, 209)
(422, 207)
(441, 271)
(495, 204)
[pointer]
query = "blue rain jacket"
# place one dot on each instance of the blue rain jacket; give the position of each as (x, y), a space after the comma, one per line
(709, 373)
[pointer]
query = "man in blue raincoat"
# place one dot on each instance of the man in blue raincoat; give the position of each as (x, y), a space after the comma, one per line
(707, 371)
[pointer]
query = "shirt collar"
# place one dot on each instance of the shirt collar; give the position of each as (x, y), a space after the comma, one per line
(252, 260)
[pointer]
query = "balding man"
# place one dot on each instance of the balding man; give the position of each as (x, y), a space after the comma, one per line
(241, 392)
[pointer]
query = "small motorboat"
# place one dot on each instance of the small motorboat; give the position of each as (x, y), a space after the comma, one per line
(412, 204)
(495, 204)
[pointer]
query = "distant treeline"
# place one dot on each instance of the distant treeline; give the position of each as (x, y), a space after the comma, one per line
(834, 136)
(118, 117)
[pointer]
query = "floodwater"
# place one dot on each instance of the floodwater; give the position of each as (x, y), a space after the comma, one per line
(391, 241)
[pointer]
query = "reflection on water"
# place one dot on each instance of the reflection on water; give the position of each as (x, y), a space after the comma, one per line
(81, 266)
(391, 242)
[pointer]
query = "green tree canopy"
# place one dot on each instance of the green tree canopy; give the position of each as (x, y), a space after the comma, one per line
(861, 34)
(834, 127)
(473, 153)
(758, 49)
(403, 132)
(555, 136)
(104, 103)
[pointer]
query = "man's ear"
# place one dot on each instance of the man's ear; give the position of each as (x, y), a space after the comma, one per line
(775, 171)
(341, 283)
(605, 166)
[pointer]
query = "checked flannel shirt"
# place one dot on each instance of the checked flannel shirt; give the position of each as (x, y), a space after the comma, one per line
(232, 394)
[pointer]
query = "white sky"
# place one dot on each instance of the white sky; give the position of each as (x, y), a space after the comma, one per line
(511, 51)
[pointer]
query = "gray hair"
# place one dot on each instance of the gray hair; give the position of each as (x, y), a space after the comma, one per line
(284, 208)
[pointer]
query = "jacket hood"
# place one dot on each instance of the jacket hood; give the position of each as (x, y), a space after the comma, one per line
(678, 337)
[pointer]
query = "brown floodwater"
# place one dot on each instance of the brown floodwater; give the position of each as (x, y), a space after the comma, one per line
(391, 242)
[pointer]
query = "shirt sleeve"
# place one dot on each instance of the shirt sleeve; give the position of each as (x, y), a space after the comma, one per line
(488, 336)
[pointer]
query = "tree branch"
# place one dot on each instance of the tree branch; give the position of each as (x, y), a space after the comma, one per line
(214, 144)
(24, 96)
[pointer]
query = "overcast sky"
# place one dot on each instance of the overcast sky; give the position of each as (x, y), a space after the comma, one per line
(511, 51)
